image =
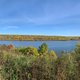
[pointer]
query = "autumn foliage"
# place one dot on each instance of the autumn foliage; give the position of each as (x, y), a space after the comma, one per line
(11, 46)
(42, 52)
(36, 38)
(78, 47)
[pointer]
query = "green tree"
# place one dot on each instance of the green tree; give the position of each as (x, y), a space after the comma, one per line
(43, 48)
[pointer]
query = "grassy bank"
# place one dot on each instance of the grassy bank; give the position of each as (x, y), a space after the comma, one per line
(23, 64)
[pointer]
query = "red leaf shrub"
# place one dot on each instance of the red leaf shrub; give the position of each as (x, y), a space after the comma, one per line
(10, 46)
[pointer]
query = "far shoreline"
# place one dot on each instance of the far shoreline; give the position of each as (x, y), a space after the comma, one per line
(42, 40)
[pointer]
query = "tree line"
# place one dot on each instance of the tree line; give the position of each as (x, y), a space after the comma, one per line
(36, 38)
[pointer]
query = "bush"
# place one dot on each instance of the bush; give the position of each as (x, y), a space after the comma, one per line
(52, 53)
(11, 46)
(78, 47)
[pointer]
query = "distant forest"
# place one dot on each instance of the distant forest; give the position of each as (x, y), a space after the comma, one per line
(36, 38)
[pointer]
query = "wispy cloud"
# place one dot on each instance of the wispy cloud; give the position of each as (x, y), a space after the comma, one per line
(10, 27)
(45, 13)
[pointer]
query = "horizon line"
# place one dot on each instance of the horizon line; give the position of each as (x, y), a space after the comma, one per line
(39, 35)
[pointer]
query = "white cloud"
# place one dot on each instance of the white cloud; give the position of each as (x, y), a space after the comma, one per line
(10, 27)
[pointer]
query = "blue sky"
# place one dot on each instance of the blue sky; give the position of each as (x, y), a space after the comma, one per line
(40, 17)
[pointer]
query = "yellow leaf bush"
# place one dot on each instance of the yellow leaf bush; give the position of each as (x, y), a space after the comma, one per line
(33, 51)
(52, 53)
(78, 47)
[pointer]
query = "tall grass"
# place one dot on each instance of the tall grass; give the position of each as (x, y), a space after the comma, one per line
(30, 67)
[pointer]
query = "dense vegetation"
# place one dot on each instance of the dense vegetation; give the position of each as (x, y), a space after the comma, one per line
(28, 63)
(36, 38)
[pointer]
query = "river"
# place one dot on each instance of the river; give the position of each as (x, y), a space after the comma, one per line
(56, 46)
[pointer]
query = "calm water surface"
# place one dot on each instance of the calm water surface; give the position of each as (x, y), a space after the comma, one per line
(56, 46)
